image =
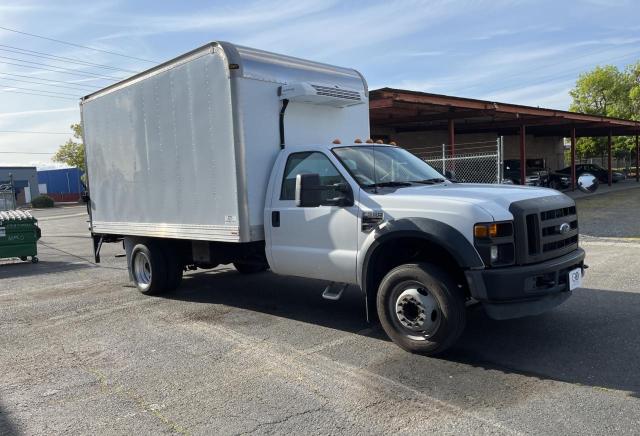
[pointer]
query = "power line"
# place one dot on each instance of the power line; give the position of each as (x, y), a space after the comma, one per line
(77, 45)
(48, 80)
(23, 152)
(37, 90)
(38, 54)
(41, 95)
(57, 71)
(40, 64)
(36, 133)
(43, 84)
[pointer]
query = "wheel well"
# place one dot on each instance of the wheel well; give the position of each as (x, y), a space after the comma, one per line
(402, 250)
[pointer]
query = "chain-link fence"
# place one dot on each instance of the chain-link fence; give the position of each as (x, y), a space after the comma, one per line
(472, 162)
(7, 198)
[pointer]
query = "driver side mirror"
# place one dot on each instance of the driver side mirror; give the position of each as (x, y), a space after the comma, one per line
(309, 192)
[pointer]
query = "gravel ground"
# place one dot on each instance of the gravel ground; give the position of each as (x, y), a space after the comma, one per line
(85, 353)
(614, 215)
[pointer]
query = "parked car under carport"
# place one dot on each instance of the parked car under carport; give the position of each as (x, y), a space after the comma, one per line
(601, 173)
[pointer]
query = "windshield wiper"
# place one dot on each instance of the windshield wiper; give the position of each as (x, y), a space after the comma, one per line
(429, 181)
(387, 184)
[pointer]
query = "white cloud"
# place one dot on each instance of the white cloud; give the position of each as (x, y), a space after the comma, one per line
(37, 112)
(218, 19)
(418, 54)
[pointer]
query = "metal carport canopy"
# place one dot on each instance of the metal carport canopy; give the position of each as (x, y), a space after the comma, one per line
(413, 111)
(408, 111)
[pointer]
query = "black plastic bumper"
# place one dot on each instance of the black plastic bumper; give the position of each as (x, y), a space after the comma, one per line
(518, 291)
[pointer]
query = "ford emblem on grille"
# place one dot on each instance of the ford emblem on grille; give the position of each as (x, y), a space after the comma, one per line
(564, 228)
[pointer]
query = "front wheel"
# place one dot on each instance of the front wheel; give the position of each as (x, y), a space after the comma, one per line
(420, 308)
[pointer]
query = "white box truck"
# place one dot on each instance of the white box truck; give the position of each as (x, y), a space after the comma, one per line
(227, 155)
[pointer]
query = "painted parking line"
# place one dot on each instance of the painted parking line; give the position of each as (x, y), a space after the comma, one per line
(56, 217)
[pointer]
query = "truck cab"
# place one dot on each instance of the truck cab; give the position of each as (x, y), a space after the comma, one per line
(419, 246)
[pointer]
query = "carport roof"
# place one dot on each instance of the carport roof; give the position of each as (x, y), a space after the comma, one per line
(407, 111)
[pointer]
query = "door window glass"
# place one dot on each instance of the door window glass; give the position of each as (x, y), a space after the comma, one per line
(308, 163)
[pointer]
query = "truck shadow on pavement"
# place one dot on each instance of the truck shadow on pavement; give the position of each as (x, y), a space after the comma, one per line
(6, 426)
(28, 269)
(593, 339)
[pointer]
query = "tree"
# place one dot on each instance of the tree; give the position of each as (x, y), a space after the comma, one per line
(609, 92)
(602, 91)
(72, 151)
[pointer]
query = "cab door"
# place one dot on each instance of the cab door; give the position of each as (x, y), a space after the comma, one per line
(315, 242)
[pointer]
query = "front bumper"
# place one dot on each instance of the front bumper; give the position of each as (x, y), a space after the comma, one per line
(518, 291)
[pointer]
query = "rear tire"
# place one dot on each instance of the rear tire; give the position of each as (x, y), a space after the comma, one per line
(149, 268)
(249, 268)
(174, 268)
(420, 308)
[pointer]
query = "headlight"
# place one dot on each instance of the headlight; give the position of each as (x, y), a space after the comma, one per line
(494, 242)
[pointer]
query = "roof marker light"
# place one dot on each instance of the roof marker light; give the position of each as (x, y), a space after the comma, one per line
(369, 141)
(337, 141)
(357, 141)
(393, 143)
(379, 141)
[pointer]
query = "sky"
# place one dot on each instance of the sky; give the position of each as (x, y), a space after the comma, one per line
(515, 51)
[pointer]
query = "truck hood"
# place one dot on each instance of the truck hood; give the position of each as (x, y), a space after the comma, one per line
(493, 199)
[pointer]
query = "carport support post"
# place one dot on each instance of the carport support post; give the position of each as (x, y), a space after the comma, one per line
(452, 137)
(452, 144)
(610, 180)
(573, 158)
(523, 155)
(637, 159)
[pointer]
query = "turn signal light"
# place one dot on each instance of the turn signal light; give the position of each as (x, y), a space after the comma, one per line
(485, 230)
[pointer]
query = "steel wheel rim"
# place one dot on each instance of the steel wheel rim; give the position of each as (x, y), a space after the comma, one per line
(415, 311)
(142, 270)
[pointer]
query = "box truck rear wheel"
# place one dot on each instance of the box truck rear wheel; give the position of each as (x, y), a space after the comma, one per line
(420, 308)
(149, 268)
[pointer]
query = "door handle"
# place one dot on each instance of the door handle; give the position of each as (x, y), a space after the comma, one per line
(275, 218)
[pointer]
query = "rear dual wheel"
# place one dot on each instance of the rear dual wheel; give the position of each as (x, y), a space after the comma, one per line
(420, 308)
(155, 268)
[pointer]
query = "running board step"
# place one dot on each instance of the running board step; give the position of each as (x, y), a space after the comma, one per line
(334, 291)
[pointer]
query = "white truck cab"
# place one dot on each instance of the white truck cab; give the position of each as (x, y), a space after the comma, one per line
(226, 155)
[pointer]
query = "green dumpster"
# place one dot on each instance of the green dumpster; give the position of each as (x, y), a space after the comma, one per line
(19, 234)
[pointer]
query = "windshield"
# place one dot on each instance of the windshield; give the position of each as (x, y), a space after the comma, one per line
(393, 166)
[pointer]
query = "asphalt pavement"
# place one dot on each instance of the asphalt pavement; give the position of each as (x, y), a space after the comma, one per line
(84, 353)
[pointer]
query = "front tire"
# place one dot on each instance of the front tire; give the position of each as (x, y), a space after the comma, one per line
(420, 308)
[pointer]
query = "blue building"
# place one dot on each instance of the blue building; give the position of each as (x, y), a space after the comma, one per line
(62, 184)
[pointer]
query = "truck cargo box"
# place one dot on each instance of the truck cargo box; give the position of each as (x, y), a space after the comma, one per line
(184, 150)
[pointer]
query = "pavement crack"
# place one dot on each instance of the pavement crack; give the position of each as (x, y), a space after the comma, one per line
(284, 420)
